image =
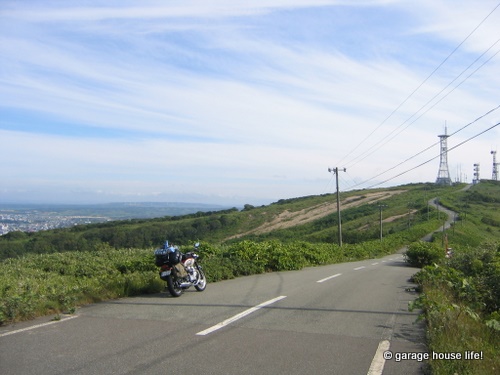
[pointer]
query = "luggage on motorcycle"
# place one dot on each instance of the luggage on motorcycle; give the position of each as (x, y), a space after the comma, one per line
(161, 257)
(174, 257)
(180, 270)
(170, 256)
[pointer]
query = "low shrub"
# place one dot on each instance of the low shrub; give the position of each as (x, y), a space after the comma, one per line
(421, 254)
(460, 303)
(36, 285)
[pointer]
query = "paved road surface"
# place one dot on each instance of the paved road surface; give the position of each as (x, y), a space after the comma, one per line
(448, 218)
(322, 320)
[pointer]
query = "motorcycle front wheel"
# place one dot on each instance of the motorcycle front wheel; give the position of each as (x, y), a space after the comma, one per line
(174, 290)
(202, 280)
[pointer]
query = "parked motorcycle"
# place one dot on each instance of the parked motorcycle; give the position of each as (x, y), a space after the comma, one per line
(179, 270)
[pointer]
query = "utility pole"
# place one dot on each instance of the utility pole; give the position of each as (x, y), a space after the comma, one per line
(444, 234)
(381, 207)
(436, 201)
(427, 201)
(336, 172)
(410, 205)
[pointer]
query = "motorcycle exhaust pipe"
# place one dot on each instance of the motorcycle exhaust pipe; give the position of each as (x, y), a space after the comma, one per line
(185, 285)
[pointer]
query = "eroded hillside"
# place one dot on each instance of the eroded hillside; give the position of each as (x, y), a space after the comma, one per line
(288, 219)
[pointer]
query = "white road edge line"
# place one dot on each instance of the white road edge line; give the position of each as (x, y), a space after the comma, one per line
(378, 362)
(374, 264)
(37, 326)
(239, 316)
(359, 268)
(328, 278)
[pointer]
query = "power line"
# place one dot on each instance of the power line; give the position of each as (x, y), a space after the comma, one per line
(386, 139)
(429, 147)
(328, 184)
(419, 86)
(435, 157)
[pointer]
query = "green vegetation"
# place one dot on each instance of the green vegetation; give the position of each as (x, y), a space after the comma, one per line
(460, 296)
(461, 306)
(360, 223)
(39, 284)
(478, 216)
(56, 271)
(421, 254)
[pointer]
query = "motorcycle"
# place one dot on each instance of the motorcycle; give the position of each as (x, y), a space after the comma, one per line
(180, 271)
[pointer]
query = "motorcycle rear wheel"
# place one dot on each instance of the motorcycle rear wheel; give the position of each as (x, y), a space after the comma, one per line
(172, 288)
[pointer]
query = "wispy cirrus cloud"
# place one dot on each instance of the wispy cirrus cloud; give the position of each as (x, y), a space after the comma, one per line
(234, 92)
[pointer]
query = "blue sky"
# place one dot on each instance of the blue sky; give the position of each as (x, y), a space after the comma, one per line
(236, 102)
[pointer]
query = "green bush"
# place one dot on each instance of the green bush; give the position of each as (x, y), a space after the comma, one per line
(481, 264)
(421, 254)
(35, 285)
(460, 302)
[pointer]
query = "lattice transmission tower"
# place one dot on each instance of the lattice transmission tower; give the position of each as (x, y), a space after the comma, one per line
(443, 177)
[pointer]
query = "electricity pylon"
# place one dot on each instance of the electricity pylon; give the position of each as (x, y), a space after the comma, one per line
(443, 177)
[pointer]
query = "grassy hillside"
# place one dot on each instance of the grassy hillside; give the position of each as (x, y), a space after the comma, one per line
(460, 296)
(478, 218)
(404, 207)
(56, 271)
(38, 284)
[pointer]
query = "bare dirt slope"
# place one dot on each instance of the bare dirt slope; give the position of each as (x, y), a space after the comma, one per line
(288, 219)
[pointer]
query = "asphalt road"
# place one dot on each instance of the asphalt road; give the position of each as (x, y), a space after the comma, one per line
(448, 217)
(335, 319)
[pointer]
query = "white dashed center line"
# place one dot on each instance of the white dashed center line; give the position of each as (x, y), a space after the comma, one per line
(239, 316)
(37, 326)
(328, 278)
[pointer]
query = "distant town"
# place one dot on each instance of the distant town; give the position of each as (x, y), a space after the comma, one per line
(34, 221)
(34, 218)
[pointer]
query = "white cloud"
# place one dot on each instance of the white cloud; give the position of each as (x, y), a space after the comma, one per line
(195, 95)
(158, 9)
(456, 20)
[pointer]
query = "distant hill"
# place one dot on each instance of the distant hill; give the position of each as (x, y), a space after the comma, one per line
(312, 218)
(119, 210)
